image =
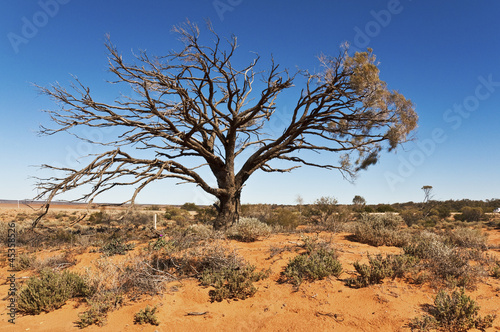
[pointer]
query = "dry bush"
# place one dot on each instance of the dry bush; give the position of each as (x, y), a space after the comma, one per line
(468, 238)
(448, 264)
(381, 229)
(248, 230)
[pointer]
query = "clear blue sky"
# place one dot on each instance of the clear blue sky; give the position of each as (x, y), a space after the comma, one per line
(444, 56)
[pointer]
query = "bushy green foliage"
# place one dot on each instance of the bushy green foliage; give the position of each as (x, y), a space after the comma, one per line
(116, 247)
(146, 316)
(231, 282)
(248, 230)
(50, 291)
(190, 207)
(312, 265)
(470, 214)
(456, 312)
(379, 268)
(411, 216)
(285, 218)
(381, 229)
(100, 217)
(384, 208)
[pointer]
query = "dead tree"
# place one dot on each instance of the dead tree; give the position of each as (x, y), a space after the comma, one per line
(194, 105)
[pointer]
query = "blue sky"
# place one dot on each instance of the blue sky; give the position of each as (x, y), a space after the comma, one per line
(444, 56)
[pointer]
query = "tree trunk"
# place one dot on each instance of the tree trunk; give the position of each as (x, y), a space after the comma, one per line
(229, 210)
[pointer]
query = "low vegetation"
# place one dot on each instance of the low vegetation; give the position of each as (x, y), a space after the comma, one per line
(248, 230)
(443, 253)
(146, 316)
(317, 262)
(379, 268)
(452, 312)
(50, 291)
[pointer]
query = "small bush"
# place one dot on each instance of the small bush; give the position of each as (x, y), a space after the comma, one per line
(379, 268)
(411, 216)
(146, 316)
(470, 214)
(449, 265)
(382, 229)
(311, 266)
(50, 291)
(231, 283)
(285, 218)
(24, 262)
(190, 207)
(116, 247)
(99, 306)
(455, 312)
(468, 238)
(248, 230)
(100, 217)
(495, 271)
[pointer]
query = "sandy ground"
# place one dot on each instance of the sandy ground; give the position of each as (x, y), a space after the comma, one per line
(323, 305)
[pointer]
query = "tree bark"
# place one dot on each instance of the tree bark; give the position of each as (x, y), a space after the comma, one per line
(229, 208)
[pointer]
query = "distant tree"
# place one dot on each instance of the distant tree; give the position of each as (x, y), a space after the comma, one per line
(359, 202)
(427, 197)
(300, 202)
(427, 193)
(325, 207)
(193, 110)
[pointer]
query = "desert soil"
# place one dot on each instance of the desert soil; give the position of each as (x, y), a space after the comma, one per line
(323, 305)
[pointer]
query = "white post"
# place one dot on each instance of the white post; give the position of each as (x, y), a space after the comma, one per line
(155, 220)
(18, 204)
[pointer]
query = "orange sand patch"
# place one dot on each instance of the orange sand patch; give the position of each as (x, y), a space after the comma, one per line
(318, 306)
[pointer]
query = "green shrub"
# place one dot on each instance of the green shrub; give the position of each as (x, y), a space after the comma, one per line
(100, 217)
(381, 229)
(379, 268)
(455, 312)
(146, 316)
(50, 291)
(248, 230)
(384, 208)
(170, 213)
(232, 283)
(314, 265)
(285, 218)
(411, 216)
(116, 247)
(495, 271)
(443, 212)
(190, 207)
(470, 214)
